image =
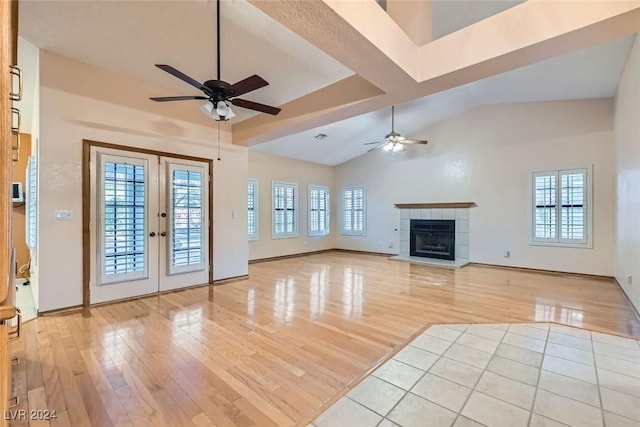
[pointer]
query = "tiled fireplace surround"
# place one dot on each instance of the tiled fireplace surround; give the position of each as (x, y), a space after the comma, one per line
(459, 214)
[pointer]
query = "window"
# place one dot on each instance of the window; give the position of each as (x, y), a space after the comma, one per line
(252, 209)
(32, 203)
(186, 194)
(318, 210)
(560, 208)
(353, 211)
(285, 210)
(124, 195)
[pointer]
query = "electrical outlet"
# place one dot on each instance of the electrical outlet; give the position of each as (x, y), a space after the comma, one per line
(390, 245)
(506, 254)
(629, 279)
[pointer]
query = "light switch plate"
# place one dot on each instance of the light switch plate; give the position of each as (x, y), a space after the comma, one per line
(63, 215)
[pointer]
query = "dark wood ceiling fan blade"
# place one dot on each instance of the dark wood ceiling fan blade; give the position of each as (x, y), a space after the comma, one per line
(176, 98)
(247, 85)
(377, 142)
(414, 141)
(182, 76)
(255, 106)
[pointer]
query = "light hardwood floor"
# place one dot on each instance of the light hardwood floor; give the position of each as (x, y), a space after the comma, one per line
(275, 349)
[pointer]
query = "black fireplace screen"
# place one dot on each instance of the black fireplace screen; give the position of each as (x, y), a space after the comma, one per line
(433, 238)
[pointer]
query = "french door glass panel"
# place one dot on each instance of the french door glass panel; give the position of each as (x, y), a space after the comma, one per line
(185, 218)
(122, 219)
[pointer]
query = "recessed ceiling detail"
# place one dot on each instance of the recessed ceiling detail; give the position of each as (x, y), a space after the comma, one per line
(449, 16)
(584, 74)
(130, 36)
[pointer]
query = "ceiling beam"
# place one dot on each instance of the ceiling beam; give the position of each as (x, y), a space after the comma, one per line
(364, 38)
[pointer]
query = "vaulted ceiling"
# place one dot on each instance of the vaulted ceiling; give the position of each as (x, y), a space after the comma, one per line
(335, 66)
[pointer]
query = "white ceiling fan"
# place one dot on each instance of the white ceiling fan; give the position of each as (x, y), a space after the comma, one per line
(393, 141)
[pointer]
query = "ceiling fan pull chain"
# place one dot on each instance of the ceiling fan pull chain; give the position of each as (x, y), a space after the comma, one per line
(218, 140)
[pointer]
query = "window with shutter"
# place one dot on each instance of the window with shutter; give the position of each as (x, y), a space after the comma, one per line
(252, 209)
(285, 210)
(318, 210)
(32, 203)
(353, 211)
(560, 211)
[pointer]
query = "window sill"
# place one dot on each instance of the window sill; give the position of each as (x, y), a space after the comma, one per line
(587, 245)
(344, 233)
(283, 236)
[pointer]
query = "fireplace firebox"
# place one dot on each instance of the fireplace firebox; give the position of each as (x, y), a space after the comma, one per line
(432, 238)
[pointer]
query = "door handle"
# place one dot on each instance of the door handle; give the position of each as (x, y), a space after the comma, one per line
(163, 234)
(152, 234)
(15, 334)
(15, 112)
(15, 71)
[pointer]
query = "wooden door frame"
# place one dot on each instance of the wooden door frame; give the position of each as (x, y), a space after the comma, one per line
(86, 206)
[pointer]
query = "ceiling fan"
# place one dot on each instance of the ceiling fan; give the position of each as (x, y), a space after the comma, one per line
(219, 93)
(393, 141)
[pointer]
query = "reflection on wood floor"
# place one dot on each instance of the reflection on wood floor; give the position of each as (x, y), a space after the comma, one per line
(270, 350)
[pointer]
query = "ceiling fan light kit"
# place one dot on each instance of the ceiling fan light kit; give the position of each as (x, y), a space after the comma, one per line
(393, 141)
(394, 147)
(218, 93)
(221, 112)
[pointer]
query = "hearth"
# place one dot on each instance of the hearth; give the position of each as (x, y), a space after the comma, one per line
(432, 238)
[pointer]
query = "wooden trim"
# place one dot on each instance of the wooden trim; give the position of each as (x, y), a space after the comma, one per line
(78, 308)
(6, 165)
(210, 207)
(86, 220)
(353, 251)
(228, 280)
(543, 271)
(321, 251)
(62, 311)
(14, 32)
(435, 205)
(145, 151)
(86, 207)
(279, 257)
(633, 307)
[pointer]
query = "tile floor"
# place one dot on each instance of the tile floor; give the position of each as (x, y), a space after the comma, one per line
(24, 300)
(530, 374)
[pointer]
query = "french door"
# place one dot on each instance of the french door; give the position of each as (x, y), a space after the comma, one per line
(149, 222)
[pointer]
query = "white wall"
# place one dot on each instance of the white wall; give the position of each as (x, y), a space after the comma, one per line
(68, 118)
(266, 169)
(487, 156)
(627, 151)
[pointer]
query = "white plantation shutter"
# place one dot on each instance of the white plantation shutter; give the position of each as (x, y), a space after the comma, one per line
(318, 210)
(186, 231)
(573, 210)
(123, 228)
(285, 209)
(560, 207)
(545, 187)
(252, 209)
(32, 203)
(353, 211)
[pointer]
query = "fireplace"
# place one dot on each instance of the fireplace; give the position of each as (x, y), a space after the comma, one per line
(432, 238)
